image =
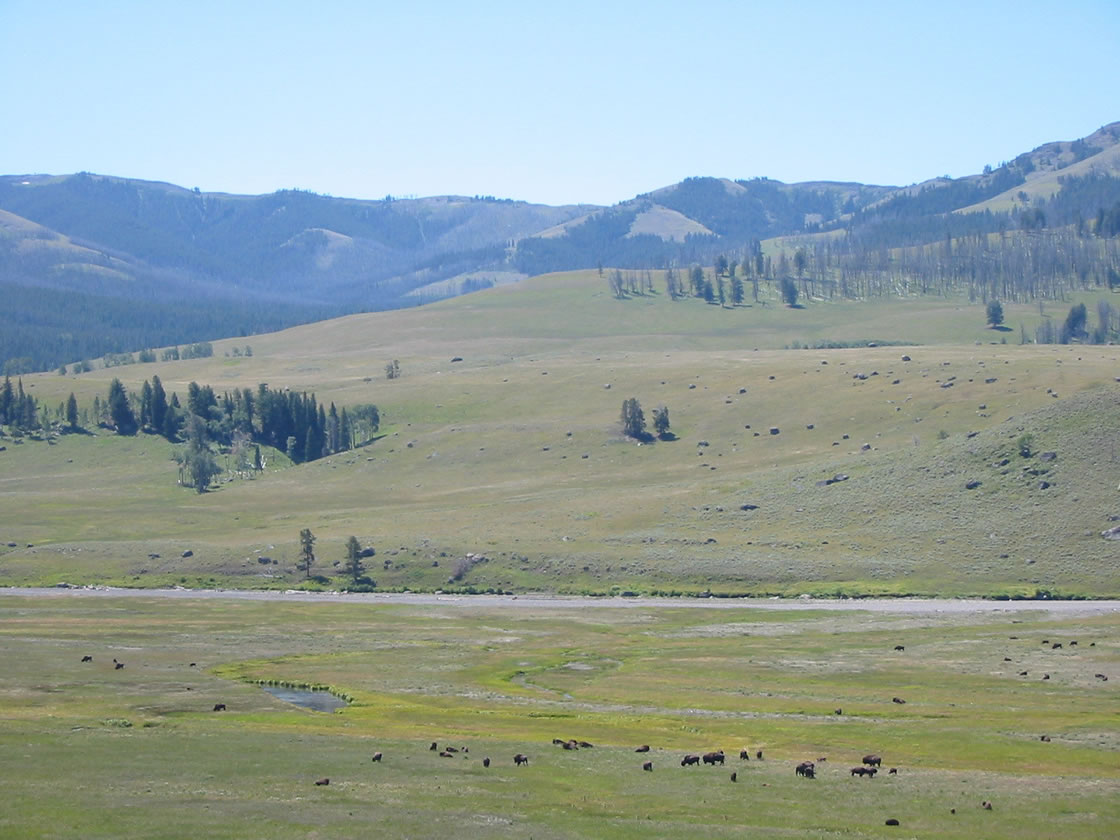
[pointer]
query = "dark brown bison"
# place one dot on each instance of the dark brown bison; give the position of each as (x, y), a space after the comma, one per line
(434, 746)
(986, 805)
(865, 771)
(219, 707)
(734, 776)
(858, 771)
(445, 754)
(1056, 646)
(758, 754)
(520, 759)
(838, 711)
(118, 666)
(87, 658)
(647, 766)
(892, 821)
(806, 769)
(323, 782)
(643, 748)
(689, 760)
(713, 758)
(585, 744)
(486, 762)
(893, 771)
(872, 760)
(558, 741)
(898, 700)
(570, 745)
(744, 755)
(899, 647)
(377, 757)
(451, 749)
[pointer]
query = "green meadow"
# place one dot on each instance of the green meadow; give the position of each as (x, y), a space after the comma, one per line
(93, 751)
(515, 454)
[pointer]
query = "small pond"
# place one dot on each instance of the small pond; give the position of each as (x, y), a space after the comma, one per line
(319, 701)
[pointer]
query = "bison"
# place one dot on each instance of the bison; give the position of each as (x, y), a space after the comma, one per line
(118, 666)
(898, 700)
(321, 782)
(647, 766)
(445, 754)
(899, 647)
(806, 769)
(744, 755)
(570, 745)
(434, 746)
(714, 758)
(219, 707)
(377, 757)
(892, 821)
(893, 771)
(643, 748)
(689, 760)
(758, 754)
(734, 776)
(520, 759)
(87, 658)
(486, 762)
(872, 760)
(585, 744)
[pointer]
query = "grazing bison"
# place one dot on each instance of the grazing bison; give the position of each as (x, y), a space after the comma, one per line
(1056, 646)
(520, 759)
(434, 746)
(734, 776)
(445, 754)
(744, 755)
(643, 748)
(585, 744)
(872, 760)
(892, 821)
(898, 700)
(806, 769)
(986, 805)
(87, 658)
(838, 711)
(321, 782)
(1045, 738)
(377, 757)
(486, 762)
(893, 771)
(219, 707)
(570, 745)
(647, 766)
(194, 664)
(865, 771)
(689, 760)
(451, 749)
(118, 666)
(714, 758)
(758, 754)
(559, 741)
(899, 647)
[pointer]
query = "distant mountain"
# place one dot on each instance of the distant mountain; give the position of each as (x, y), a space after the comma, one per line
(91, 264)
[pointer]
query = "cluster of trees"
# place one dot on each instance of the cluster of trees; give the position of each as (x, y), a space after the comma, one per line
(18, 409)
(238, 422)
(633, 420)
(1076, 326)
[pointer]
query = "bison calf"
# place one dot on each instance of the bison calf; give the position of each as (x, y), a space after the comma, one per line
(648, 766)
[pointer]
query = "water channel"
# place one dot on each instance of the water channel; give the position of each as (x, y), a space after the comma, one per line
(318, 701)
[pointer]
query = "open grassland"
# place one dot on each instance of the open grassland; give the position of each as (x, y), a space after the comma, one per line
(92, 751)
(515, 453)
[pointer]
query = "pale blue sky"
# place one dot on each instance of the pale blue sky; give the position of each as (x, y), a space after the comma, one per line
(555, 103)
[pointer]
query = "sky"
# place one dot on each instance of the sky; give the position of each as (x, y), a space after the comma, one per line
(557, 103)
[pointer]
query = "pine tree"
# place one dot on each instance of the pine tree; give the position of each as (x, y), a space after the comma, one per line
(354, 566)
(72, 412)
(307, 551)
(120, 412)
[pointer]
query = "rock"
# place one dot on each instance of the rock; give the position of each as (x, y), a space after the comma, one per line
(774, 430)
(1111, 533)
(905, 358)
(1048, 456)
(755, 507)
(972, 485)
(188, 553)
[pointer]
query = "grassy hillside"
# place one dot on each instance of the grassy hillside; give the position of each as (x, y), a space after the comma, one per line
(515, 453)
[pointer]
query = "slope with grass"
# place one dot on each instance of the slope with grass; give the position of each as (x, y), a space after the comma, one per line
(515, 454)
